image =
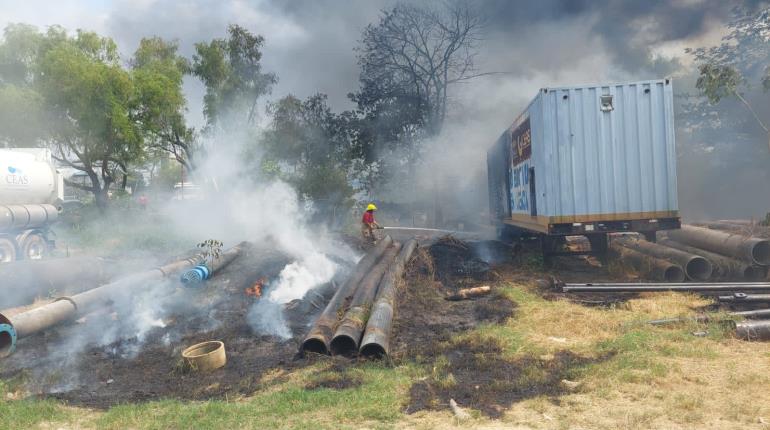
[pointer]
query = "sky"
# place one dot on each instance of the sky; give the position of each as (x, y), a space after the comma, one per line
(310, 44)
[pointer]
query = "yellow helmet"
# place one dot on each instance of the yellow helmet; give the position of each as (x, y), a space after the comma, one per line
(371, 207)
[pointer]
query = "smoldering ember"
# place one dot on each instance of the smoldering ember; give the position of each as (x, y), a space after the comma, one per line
(384, 214)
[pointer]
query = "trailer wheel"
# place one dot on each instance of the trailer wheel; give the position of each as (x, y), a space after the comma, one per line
(34, 247)
(7, 250)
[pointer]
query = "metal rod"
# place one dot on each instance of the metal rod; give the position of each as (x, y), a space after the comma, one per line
(320, 335)
(686, 287)
(745, 298)
(376, 339)
(65, 308)
(695, 267)
(757, 313)
(348, 334)
(750, 249)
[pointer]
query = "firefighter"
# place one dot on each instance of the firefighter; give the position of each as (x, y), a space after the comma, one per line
(368, 223)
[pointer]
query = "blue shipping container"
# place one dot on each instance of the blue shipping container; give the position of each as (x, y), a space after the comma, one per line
(601, 155)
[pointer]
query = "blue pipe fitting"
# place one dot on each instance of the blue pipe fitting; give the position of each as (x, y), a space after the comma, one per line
(7, 340)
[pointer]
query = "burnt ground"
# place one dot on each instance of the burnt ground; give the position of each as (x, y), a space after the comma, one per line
(425, 323)
(100, 377)
(472, 371)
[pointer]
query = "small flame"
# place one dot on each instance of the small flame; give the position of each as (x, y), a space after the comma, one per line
(256, 290)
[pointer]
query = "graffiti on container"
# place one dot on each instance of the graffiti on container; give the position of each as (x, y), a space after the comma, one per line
(520, 187)
(521, 151)
(521, 143)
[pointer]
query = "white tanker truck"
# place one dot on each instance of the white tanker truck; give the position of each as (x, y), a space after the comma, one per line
(31, 193)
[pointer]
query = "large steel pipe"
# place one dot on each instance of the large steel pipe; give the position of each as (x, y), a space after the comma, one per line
(65, 308)
(320, 335)
(724, 267)
(347, 337)
(652, 267)
(22, 281)
(750, 249)
(695, 267)
(376, 339)
(205, 270)
(753, 330)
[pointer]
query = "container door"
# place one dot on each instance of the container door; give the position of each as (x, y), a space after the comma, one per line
(532, 192)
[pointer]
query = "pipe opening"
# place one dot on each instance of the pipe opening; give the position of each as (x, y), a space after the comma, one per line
(698, 269)
(373, 350)
(7, 340)
(674, 274)
(314, 345)
(761, 252)
(343, 345)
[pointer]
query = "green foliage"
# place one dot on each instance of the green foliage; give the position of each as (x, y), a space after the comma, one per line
(231, 71)
(308, 145)
(158, 74)
(717, 82)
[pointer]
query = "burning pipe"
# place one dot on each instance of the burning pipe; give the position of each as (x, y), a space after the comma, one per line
(376, 339)
(320, 335)
(750, 249)
(65, 308)
(653, 267)
(724, 267)
(695, 267)
(195, 276)
(347, 337)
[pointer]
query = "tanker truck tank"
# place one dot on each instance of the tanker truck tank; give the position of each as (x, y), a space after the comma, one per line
(31, 192)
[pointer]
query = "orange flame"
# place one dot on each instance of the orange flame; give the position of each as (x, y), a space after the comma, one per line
(256, 290)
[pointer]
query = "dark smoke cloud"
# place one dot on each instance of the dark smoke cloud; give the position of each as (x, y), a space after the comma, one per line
(309, 45)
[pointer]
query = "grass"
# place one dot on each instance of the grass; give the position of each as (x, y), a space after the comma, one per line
(642, 376)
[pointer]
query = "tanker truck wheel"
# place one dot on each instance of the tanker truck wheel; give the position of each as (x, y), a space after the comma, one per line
(7, 250)
(34, 247)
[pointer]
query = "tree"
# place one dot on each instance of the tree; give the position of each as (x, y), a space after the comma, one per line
(158, 73)
(232, 73)
(20, 105)
(309, 145)
(88, 100)
(411, 58)
(743, 58)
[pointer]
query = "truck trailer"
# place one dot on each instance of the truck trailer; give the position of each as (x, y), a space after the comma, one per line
(31, 193)
(587, 161)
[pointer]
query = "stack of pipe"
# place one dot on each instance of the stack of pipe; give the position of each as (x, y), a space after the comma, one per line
(695, 267)
(320, 335)
(752, 250)
(724, 267)
(66, 308)
(652, 267)
(359, 317)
